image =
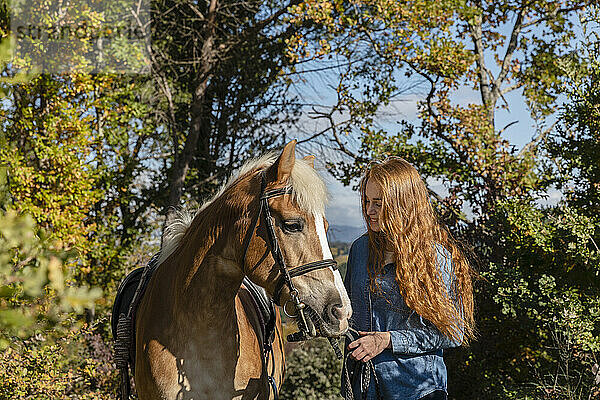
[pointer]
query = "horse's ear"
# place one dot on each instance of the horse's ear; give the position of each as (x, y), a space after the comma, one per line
(282, 169)
(310, 160)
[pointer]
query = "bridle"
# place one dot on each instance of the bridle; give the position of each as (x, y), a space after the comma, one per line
(287, 274)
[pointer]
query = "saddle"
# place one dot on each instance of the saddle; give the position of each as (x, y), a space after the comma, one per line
(130, 292)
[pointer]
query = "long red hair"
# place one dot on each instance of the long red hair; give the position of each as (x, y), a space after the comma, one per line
(412, 231)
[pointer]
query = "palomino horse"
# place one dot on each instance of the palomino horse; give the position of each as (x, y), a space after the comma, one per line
(197, 336)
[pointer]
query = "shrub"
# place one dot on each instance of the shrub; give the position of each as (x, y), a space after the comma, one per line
(312, 372)
(78, 366)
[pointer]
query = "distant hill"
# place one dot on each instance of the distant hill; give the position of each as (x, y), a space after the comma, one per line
(344, 233)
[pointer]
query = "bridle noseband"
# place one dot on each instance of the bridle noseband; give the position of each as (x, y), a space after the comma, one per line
(286, 274)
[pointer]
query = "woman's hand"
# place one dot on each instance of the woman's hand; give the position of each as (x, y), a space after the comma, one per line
(369, 345)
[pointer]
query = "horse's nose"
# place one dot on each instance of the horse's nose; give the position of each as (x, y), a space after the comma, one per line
(336, 312)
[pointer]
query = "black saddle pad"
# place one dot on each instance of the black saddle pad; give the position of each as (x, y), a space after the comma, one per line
(124, 299)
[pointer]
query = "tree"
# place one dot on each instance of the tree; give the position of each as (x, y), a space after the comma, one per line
(221, 95)
(573, 148)
(66, 144)
(37, 293)
(428, 42)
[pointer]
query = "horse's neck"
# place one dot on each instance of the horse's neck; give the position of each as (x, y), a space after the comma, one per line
(207, 277)
(213, 287)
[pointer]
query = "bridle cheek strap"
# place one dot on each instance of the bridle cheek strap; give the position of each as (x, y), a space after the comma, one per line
(286, 275)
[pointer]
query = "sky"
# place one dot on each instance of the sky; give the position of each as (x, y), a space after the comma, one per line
(344, 207)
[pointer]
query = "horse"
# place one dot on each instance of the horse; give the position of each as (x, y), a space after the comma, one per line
(197, 335)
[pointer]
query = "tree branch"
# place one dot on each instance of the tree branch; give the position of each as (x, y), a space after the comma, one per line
(316, 135)
(259, 26)
(512, 45)
(507, 126)
(554, 14)
(342, 147)
(535, 142)
(196, 11)
(510, 88)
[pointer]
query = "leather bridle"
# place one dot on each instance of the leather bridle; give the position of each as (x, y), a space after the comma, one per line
(286, 276)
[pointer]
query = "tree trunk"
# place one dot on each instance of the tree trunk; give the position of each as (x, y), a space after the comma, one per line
(181, 165)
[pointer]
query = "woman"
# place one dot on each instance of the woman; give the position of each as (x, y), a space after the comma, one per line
(410, 288)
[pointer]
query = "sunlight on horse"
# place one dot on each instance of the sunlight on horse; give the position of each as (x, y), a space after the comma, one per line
(198, 334)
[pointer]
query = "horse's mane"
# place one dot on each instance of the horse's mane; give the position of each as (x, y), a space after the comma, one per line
(309, 191)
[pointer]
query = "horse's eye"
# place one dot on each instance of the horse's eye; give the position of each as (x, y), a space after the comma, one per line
(293, 225)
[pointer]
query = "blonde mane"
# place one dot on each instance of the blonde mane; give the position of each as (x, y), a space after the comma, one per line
(309, 192)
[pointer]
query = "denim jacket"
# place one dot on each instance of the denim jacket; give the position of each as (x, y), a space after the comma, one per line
(414, 366)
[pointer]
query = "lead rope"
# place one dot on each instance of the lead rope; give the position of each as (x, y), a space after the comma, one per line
(351, 334)
(322, 329)
(365, 376)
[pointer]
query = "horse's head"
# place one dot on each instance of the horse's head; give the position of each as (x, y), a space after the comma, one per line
(293, 200)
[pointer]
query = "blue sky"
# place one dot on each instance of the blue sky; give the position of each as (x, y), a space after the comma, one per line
(344, 207)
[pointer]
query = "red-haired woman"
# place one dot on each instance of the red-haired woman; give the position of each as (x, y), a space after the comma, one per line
(410, 288)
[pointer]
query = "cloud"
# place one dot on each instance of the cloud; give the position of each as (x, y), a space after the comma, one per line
(344, 206)
(552, 198)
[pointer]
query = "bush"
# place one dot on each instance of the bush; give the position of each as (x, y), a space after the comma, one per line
(78, 366)
(312, 372)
